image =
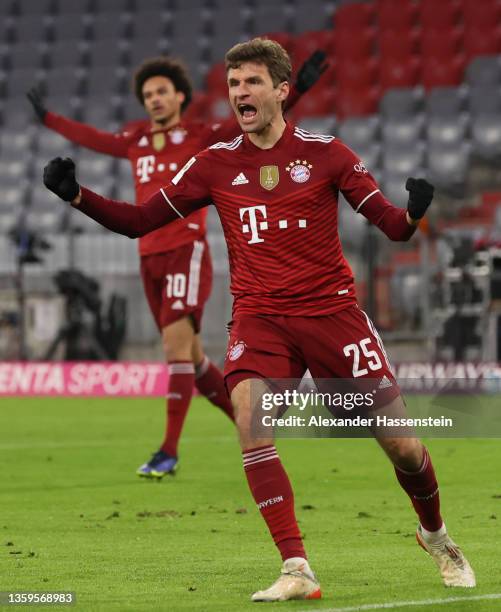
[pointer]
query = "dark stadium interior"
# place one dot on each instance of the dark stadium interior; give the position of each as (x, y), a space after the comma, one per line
(414, 87)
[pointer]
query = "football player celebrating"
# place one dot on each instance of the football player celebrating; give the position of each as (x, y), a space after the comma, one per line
(294, 302)
(175, 262)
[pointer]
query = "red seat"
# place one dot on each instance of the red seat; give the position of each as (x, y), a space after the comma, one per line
(481, 12)
(216, 78)
(397, 14)
(356, 102)
(308, 42)
(481, 40)
(284, 39)
(400, 72)
(438, 72)
(442, 43)
(322, 103)
(354, 73)
(348, 46)
(398, 44)
(354, 16)
(198, 110)
(441, 13)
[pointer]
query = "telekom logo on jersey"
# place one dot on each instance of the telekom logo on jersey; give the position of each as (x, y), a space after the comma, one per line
(249, 218)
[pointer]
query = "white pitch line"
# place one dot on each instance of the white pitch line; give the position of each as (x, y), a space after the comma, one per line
(401, 604)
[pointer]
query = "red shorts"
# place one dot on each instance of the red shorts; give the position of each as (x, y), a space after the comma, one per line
(177, 283)
(344, 345)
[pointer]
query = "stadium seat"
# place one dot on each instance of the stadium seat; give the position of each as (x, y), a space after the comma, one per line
(484, 71)
(65, 81)
(356, 102)
(67, 53)
(442, 44)
(393, 187)
(482, 40)
(150, 24)
(402, 131)
(483, 14)
(398, 45)
(357, 132)
(19, 80)
(448, 167)
(110, 26)
(486, 138)
(308, 42)
(485, 100)
(441, 15)
(438, 72)
(106, 52)
(397, 14)
(354, 48)
(399, 72)
(77, 8)
(398, 159)
(313, 15)
(322, 102)
(32, 27)
(356, 73)
(69, 27)
(354, 16)
(41, 8)
(28, 55)
(447, 130)
(446, 101)
(404, 102)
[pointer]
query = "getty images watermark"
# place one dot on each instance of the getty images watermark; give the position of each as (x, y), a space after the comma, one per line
(363, 408)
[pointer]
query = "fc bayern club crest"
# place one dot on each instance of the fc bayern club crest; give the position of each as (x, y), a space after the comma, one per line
(236, 350)
(177, 135)
(299, 170)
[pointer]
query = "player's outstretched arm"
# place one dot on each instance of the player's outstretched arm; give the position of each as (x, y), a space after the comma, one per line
(307, 76)
(79, 133)
(397, 224)
(120, 217)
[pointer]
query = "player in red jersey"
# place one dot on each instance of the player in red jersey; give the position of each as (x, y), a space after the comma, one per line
(275, 188)
(175, 261)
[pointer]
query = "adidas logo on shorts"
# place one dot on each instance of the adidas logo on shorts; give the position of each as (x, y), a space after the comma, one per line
(178, 305)
(384, 383)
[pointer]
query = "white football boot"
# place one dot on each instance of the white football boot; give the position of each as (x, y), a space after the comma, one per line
(454, 568)
(296, 581)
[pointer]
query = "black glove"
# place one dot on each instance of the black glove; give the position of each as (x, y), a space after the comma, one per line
(420, 197)
(311, 71)
(59, 177)
(34, 95)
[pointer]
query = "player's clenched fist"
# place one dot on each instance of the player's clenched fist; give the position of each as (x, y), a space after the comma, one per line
(59, 177)
(420, 197)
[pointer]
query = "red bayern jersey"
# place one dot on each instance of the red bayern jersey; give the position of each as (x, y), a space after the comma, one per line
(155, 158)
(278, 209)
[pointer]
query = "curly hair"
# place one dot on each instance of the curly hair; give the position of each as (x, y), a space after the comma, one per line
(168, 67)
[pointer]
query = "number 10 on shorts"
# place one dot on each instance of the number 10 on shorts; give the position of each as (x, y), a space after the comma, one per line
(176, 285)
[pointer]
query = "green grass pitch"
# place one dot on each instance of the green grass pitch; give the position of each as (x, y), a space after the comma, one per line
(74, 516)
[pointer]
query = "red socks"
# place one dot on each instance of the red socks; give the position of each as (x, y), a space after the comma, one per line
(273, 495)
(181, 379)
(209, 381)
(422, 488)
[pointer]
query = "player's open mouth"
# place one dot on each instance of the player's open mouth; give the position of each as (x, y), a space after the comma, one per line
(247, 111)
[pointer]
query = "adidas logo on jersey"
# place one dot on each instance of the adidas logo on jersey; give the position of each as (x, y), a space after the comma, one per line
(178, 305)
(241, 179)
(143, 142)
(384, 383)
